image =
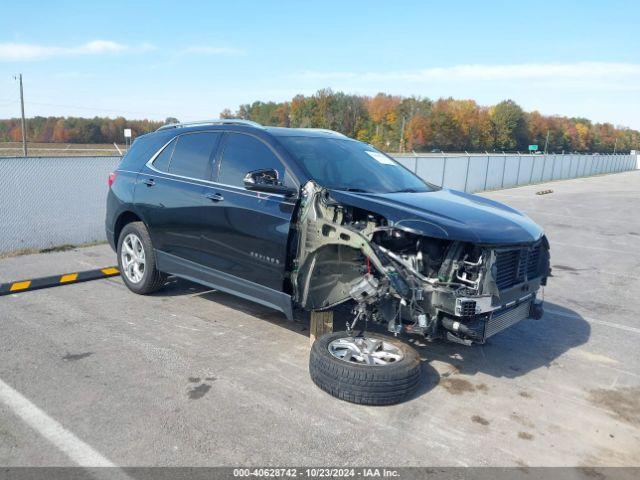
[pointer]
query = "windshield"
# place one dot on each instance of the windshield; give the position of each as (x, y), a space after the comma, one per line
(344, 164)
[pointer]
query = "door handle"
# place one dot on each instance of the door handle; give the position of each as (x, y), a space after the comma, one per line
(149, 182)
(214, 197)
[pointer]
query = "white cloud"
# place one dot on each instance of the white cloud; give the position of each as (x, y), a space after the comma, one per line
(527, 71)
(211, 50)
(25, 51)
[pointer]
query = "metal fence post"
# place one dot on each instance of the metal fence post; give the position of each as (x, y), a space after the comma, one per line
(544, 167)
(444, 169)
(486, 171)
(466, 175)
(518, 173)
(504, 168)
(533, 164)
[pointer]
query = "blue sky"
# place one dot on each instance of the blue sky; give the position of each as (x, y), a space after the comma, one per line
(191, 59)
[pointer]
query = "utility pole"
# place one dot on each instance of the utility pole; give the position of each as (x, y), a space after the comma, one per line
(402, 135)
(24, 123)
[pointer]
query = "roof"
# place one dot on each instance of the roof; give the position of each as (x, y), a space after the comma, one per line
(276, 131)
(304, 132)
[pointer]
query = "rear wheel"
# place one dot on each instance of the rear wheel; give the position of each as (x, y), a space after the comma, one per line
(369, 369)
(136, 260)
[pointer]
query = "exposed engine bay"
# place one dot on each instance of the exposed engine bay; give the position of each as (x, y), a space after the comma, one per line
(397, 276)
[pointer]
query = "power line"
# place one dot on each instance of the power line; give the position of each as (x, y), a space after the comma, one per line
(110, 110)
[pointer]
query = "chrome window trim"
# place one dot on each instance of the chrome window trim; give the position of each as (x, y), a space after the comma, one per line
(268, 196)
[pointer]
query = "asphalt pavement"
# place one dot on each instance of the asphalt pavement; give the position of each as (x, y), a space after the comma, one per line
(92, 374)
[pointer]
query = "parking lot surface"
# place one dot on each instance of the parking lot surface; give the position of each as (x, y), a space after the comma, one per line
(191, 376)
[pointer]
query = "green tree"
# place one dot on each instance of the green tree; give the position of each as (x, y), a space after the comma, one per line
(509, 126)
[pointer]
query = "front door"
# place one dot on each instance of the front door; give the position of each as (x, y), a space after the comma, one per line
(246, 232)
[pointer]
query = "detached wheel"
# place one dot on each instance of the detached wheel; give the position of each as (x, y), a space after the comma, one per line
(368, 370)
(137, 261)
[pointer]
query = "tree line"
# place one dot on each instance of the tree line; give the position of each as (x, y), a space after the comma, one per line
(390, 122)
(76, 129)
(396, 123)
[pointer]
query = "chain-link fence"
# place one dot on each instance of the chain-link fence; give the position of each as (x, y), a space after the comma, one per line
(52, 201)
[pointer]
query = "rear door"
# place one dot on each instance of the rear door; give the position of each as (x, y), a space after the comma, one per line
(170, 193)
(246, 232)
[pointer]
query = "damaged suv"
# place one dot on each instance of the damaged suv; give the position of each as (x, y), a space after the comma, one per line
(308, 218)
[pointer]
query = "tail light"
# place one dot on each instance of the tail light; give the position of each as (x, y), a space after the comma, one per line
(112, 178)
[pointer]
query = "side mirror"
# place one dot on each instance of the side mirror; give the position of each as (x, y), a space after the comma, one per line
(266, 180)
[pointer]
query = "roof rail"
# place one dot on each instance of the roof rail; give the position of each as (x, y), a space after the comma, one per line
(218, 121)
(324, 130)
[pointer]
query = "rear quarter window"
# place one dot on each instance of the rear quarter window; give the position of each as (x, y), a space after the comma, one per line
(143, 149)
(162, 161)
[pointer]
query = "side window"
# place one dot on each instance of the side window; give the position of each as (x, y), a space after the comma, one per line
(192, 155)
(162, 161)
(244, 153)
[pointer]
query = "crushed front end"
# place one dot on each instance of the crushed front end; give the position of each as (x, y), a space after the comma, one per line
(434, 287)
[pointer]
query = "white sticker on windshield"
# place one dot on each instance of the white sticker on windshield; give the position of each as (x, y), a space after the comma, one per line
(380, 157)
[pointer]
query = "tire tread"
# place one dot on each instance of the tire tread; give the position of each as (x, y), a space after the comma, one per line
(365, 385)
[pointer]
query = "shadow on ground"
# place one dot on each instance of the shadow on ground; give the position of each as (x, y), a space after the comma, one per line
(524, 347)
(527, 346)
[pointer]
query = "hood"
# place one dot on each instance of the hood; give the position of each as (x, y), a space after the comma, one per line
(448, 214)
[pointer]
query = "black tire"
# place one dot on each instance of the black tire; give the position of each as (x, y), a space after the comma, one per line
(364, 384)
(152, 279)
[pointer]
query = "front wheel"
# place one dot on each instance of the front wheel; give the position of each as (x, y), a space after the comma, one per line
(136, 260)
(368, 369)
